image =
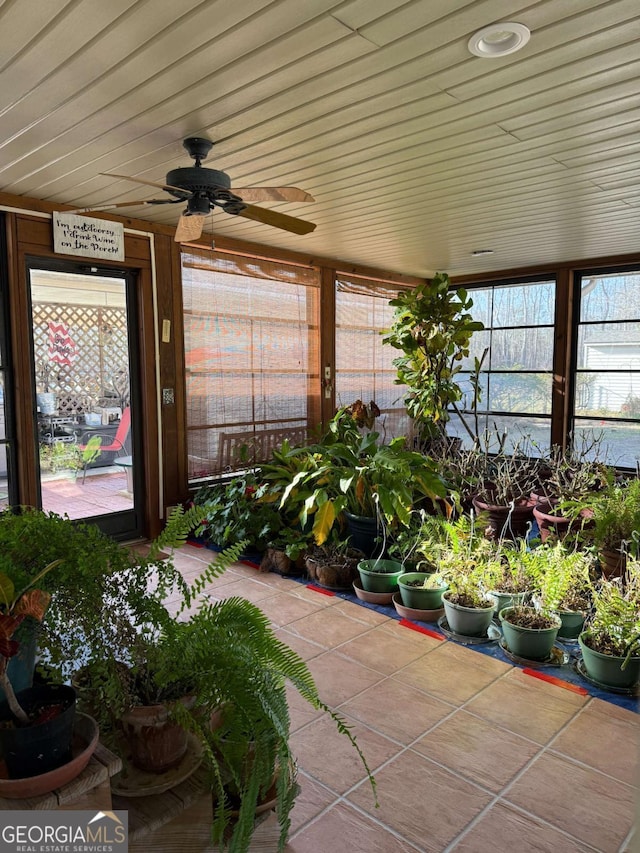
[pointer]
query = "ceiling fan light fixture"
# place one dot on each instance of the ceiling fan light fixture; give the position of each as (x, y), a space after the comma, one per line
(498, 40)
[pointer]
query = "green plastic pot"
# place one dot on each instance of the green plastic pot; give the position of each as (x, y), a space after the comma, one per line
(417, 597)
(529, 643)
(507, 599)
(467, 621)
(379, 575)
(607, 669)
(572, 623)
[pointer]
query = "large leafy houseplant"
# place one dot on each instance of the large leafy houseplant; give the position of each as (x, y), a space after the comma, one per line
(236, 511)
(432, 327)
(349, 470)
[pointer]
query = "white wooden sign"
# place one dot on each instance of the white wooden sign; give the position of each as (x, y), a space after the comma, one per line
(90, 238)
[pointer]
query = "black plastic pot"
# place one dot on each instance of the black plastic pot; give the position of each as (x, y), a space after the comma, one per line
(36, 749)
(364, 534)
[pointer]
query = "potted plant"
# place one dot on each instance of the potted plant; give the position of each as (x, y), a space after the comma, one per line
(571, 475)
(36, 723)
(468, 608)
(234, 667)
(615, 523)
(528, 632)
(563, 578)
(333, 564)
(422, 590)
(95, 592)
(349, 472)
(379, 575)
(238, 510)
(610, 644)
(45, 397)
(286, 554)
(507, 578)
(432, 327)
(503, 497)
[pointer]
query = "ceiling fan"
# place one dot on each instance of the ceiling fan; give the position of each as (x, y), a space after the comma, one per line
(204, 189)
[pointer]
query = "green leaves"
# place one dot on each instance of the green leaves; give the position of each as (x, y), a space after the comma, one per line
(432, 327)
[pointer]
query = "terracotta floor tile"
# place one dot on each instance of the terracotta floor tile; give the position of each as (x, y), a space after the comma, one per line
(452, 672)
(312, 799)
(311, 594)
(300, 711)
(339, 678)
(304, 648)
(247, 588)
(504, 828)
(397, 710)
(583, 802)
(283, 608)
(424, 803)
(527, 706)
(320, 739)
(385, 650)
(344, 830)
(327, 627)
(363, 614)
(615, 748)
(477, 750)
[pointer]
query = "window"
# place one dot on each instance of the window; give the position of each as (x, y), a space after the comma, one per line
(607, 359)
(252, 360)
(517, 372)
(364, 365)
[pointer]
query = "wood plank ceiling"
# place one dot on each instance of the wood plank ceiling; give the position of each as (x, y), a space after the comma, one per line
(417, 152)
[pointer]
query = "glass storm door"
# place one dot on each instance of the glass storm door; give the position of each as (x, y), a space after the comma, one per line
(85, 379)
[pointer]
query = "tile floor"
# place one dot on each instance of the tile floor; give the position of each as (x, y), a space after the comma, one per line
(469, 753)
(99, 494)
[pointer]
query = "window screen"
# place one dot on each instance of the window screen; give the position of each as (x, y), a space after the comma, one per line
(252, 359)
(364, 365)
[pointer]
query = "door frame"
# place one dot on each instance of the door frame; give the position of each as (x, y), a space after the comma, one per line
(29, 239)
(124, 524)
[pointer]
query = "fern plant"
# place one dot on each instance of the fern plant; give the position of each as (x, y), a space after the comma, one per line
(226, 657)
(614, 627)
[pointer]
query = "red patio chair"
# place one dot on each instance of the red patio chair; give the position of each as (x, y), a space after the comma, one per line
(116, 444)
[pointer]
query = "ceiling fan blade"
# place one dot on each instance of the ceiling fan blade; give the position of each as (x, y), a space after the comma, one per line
(167, 187)
(272, 194)
(189, 227)
(114, 205)
(277, 219)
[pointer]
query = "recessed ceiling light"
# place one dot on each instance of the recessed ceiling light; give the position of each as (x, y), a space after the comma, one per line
(478, 253)
(498, 40)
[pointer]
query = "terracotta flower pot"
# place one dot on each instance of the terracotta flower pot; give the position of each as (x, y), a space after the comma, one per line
(156, 743)
(612, 563)
(504, 522)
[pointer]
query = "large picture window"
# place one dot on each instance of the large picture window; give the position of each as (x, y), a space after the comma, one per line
(517, 371)
(607, 359)
(252, 360)
(364, 365)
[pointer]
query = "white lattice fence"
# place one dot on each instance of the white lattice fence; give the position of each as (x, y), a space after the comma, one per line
(90, 367)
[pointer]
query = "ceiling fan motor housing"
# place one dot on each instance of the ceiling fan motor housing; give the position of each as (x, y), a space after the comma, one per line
(194, 179)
